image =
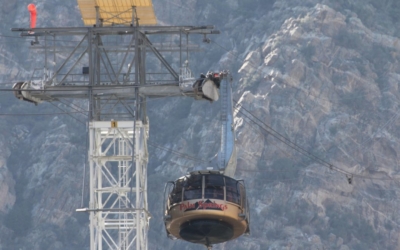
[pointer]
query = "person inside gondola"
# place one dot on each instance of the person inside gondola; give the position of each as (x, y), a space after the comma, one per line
(192, 193)
(188, 195)
(229, 196)
(218, 193)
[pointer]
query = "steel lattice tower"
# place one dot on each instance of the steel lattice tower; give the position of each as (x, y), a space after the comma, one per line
(106, 65)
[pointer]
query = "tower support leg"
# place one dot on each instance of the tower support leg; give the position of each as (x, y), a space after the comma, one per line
(119, 217)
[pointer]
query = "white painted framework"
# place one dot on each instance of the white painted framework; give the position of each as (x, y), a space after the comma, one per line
(114, 60)
(119, 217)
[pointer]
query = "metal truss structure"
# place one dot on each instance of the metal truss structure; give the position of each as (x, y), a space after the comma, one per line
(118, 185)
(115, 68)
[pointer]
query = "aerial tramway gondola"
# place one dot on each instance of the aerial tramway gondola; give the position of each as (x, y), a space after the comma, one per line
(206, 207)
(210, 206)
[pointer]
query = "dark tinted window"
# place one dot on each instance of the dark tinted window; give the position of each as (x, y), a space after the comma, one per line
(214, 187)
(191, 194)
(193, 187)
(176, 194)
(194, 181)
(232, 192)
(214, 180)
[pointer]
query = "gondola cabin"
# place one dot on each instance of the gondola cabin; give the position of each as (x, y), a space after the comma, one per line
(206, 207)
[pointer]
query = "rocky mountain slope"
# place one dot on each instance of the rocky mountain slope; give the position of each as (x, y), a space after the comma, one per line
(323, 74)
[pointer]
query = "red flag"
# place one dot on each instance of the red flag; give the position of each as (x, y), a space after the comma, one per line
(32, 10)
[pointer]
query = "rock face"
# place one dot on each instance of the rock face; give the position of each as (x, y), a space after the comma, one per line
(316, 86)
(7, 183)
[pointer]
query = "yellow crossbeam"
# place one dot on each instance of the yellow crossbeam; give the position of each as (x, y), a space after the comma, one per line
(117, 12)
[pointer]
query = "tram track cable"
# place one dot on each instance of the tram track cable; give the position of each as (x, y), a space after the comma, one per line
(71, 105)
(193, 158)
(86, 163)
(78, 120)
(308, 93)
(176, 152)
(83, 87)
(40, 114)
(26, 39)
(213, 42)
(285, 152)
(289, 143)
(72, 112)
(268, 129)
(279, 136)
(273, 133)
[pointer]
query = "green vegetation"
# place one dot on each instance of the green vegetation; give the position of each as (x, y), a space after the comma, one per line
(19, 219)
(389, 226)
(353, 100)
(366, 10)
(343, 222)
(333, 130)
(380, 56)
(282, 169)
(308, 51)
(254, 7)
(394, 11)
(346, 224)
(347, 39)
(298, 213)
(72, 235)
(343, 225)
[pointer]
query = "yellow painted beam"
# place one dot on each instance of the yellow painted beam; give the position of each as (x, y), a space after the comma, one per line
(117, 12)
